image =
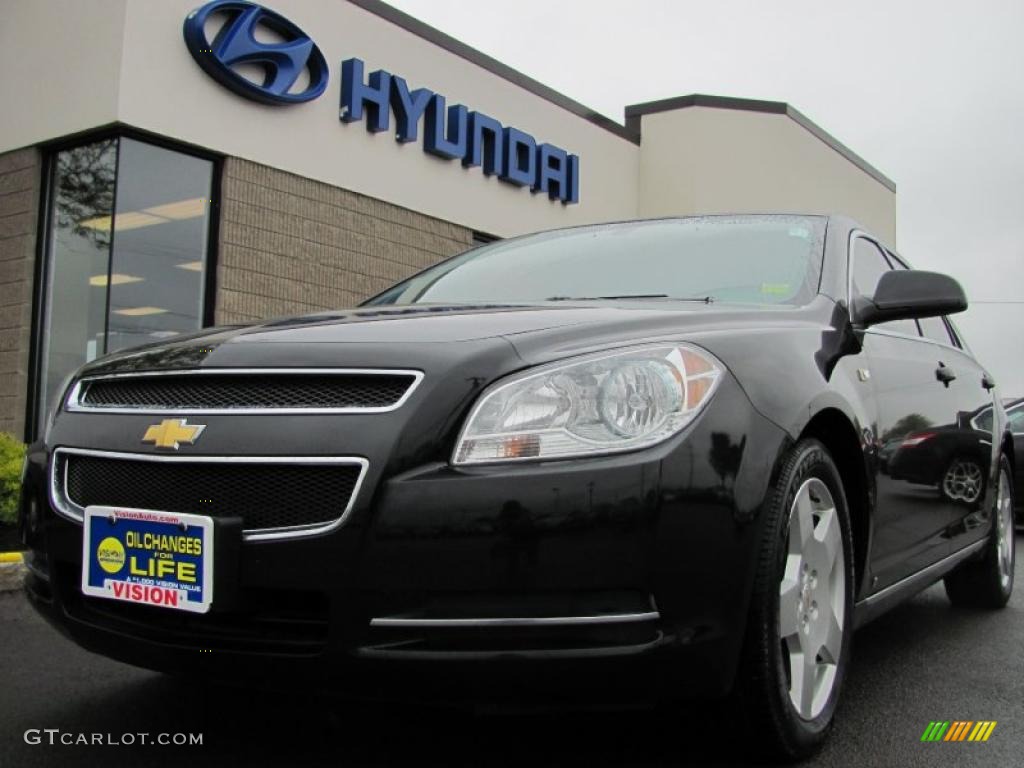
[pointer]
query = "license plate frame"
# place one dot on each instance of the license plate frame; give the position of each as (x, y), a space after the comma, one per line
(122, 552)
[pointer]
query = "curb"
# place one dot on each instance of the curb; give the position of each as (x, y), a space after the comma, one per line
(12, 571)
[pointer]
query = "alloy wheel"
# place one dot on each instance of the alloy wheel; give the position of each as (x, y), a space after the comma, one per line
(812, 599)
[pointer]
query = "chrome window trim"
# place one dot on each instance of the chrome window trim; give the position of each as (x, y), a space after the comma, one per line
(73, 402)
(958, 340)
(893, 257)
(610, 618)
(894, 334)
(925, 339)
(61, 500)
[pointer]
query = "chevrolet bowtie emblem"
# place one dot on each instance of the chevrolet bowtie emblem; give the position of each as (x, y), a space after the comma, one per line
(171, 433)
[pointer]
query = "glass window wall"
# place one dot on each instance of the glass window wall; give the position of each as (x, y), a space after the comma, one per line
(127, 252)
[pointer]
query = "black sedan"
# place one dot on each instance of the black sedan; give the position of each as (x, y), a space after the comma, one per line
(645, 453)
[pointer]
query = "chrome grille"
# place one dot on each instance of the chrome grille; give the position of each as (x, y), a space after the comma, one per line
(246, 391)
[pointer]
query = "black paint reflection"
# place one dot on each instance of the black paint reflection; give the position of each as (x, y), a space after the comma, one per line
(518, 540)
(726, 456)
(182, 356)
(952, 458)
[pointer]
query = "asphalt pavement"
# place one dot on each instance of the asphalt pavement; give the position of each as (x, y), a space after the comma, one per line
(923, 661)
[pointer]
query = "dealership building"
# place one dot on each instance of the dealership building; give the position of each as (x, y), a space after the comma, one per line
(169, 166)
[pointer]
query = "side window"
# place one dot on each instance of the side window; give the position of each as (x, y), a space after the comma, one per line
(1016, 417)
(983, 421)
(869, 264)
(954, 334)
(934, 328)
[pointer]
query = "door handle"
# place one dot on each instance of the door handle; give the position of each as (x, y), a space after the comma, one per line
(987, 381)
(944, 374)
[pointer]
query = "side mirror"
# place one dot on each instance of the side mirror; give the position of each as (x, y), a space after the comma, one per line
(907, 294)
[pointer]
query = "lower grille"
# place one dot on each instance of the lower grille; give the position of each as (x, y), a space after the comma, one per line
(268, 495)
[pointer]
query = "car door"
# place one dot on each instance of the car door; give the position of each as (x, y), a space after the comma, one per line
(966, 469)
(916, 422)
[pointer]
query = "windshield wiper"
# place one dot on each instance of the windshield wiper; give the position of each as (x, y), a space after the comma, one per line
(703, 299)
(603, 298)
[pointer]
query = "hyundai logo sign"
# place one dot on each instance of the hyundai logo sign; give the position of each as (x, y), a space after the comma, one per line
(456, 132)
(452, 132)
(235, 45)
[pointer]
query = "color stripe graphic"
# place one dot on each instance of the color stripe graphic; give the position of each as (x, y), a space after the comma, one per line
(958, 730)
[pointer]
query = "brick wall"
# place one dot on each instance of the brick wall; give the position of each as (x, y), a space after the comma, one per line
(19, 202)
(290, 245)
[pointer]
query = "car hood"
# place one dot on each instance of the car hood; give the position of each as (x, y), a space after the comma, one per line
(370, 335)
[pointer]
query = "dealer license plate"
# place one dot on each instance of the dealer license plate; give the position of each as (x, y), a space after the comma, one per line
(148, 557)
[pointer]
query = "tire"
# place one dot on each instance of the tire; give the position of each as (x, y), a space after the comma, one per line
(782, 717)
(988, 582)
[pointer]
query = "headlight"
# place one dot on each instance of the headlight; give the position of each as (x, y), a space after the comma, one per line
(606, 403)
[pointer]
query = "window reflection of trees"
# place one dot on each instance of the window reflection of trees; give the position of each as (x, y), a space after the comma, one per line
(912, 422)
(85, 189)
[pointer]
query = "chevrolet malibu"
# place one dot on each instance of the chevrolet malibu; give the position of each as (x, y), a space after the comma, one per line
(649, 453)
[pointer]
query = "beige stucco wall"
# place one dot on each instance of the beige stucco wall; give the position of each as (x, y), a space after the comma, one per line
(714, 160)
(61, 65)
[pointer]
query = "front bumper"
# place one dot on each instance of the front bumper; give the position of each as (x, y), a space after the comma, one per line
(640, 563)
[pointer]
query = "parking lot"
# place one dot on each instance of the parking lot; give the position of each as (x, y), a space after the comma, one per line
(923, 661)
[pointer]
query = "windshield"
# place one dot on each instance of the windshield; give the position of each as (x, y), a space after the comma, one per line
(764, 259)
